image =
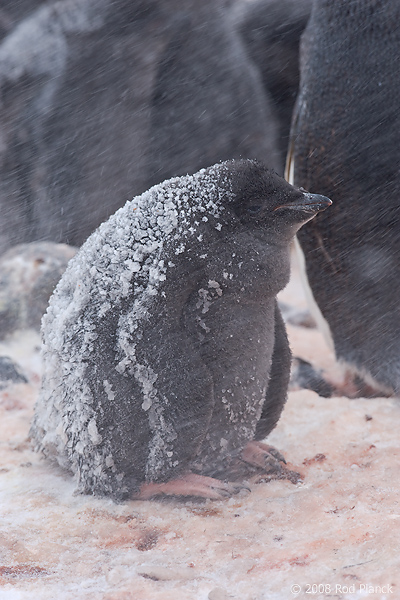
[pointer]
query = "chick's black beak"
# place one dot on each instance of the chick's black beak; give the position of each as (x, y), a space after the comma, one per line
(309, 203)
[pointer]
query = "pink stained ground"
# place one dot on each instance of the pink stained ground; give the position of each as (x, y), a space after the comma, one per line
(338, 530)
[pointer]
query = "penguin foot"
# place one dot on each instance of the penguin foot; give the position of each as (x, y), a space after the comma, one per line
(264, 456)
(353, 386)
(305, 376)
(191, 484)
(270, 460)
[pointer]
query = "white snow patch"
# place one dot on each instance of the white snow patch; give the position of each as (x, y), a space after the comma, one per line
(94, 435)
(108, 390)
(215, 285)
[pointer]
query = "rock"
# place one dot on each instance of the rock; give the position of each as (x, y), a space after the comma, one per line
(10, 373)
(28, 276)
(158, 573)
(218, 594)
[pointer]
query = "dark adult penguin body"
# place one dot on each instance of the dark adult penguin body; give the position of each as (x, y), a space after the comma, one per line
(164, 350)
(345, 135)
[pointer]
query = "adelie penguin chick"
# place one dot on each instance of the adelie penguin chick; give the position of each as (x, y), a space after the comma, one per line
(344, 143)
(165, 355)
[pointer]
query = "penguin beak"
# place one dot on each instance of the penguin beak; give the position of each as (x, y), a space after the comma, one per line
(308, 203)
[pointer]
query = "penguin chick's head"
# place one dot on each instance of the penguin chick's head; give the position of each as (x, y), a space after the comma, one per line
(264, 200)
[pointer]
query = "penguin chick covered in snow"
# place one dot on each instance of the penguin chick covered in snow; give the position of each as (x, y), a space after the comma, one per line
(166, 359)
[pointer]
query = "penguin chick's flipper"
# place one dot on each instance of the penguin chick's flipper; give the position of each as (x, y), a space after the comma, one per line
(276, 394)
(256, 453)
(191, 484)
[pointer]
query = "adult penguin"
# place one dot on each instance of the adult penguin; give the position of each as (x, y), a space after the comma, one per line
(344, 142)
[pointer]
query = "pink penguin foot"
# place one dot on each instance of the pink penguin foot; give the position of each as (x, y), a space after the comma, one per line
(353, 386)
(269, 460)
(190, 485)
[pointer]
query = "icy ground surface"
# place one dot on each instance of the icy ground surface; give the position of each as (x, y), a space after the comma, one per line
(338, 531)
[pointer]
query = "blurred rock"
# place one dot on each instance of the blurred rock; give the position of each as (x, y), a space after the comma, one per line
(271, 30)
(219, 594)
(158, 573)
(28, 276)
(101, 99)
(10, 373)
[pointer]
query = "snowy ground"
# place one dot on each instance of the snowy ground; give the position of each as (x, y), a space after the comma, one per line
(335, 535)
